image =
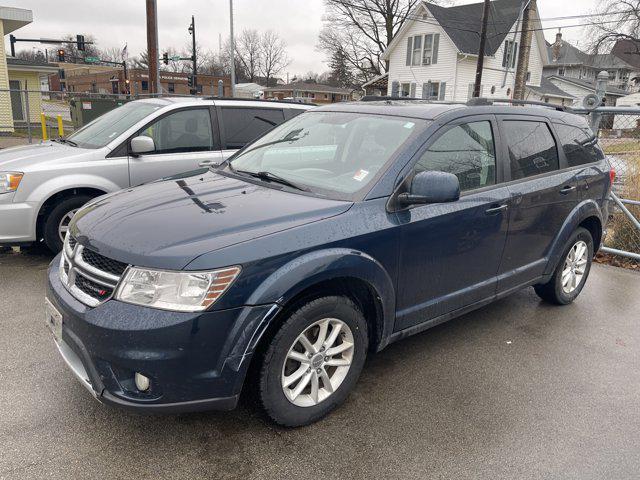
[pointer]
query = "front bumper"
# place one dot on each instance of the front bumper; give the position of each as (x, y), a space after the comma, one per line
(17, 221)
(196, 361)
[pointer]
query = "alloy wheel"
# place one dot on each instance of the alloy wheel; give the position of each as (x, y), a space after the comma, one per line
(574, 267)
(317, 362)
(63, 226)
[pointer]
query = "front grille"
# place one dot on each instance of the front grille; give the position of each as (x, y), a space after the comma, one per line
(90, 277)
(103, 263)
(93, 289)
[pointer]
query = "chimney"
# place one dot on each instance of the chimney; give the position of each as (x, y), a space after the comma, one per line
(555, 48)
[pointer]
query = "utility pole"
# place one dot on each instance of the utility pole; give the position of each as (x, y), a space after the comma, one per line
(192, 31)
(152, 47)
(233, 51)
(525, 49)
(481, 48)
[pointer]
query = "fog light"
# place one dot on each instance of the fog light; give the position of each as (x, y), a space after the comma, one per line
(142, 382)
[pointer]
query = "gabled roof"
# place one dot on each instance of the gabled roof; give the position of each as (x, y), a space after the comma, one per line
(618, 92)
(567, 54)
(628, 51)
(463, 23)
(547, 88)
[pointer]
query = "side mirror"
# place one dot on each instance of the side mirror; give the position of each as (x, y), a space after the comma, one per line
(142, 144)
(431, 187)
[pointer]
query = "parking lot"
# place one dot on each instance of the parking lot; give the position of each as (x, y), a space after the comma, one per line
(518, 389)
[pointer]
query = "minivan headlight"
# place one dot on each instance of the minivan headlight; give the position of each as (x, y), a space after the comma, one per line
(9, 181)
(178, 291)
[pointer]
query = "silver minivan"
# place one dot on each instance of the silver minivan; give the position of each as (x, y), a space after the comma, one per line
(42, 186)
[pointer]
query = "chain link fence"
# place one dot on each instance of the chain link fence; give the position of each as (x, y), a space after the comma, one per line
(619, 136)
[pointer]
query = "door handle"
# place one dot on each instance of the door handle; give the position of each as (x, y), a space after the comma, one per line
(497, 209)
(567, 189)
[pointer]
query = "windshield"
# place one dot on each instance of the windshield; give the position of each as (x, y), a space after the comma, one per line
(104, 129)
(327, 152)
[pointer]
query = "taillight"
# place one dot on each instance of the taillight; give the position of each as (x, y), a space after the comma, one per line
(612, 176)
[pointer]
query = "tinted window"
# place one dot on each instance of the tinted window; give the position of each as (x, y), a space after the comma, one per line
(467, 151)
(532, 149)
(183, 131)
(580, 145)
(243, 125)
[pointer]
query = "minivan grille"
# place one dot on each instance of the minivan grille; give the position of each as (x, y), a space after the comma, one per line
(89, 276)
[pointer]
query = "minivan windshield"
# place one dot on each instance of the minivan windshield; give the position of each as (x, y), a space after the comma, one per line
(327, 152)
(104, 129)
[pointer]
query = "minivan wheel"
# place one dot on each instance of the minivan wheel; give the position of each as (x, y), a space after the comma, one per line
(57, 222)
(313, 361)
(572, 270)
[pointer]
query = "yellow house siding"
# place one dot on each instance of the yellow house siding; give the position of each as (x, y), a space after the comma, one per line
(32, 82)
(6, 116)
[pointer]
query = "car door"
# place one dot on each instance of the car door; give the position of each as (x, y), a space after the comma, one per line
(450, 253)
(543, 193)
(185, 139)
(240, 125)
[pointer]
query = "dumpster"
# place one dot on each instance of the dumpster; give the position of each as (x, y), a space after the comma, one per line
(84, 110)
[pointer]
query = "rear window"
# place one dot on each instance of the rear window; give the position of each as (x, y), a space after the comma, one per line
(242, 125)
(532, 149)
(580, 145)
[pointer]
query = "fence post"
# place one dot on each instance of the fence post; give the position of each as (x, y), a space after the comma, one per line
(43, 121)
(601, 91)
(26, 104)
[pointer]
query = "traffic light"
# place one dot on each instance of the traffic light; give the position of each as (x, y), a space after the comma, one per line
(165, 58)
(190, 81)
(80, 42)
(61, 54)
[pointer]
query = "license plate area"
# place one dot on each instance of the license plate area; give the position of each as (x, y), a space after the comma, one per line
(53, 319)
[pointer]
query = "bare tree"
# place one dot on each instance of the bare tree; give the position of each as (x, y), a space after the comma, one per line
(609, 27)
(111, 54)
(274, 55)
(32, 55)
(71, 49)
(249, 54)
(362, 29)
(203, 57)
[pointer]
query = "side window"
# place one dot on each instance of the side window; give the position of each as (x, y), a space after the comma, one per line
(580, 145)
(532, 149)
(466, 150)
(182, 131)
(243, 125)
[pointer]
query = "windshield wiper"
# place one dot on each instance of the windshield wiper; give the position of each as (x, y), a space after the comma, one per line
(65, 140)
(272, 177)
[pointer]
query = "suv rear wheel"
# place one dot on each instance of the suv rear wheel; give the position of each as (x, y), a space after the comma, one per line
(313, 361)
(57, 222)
(572, 271)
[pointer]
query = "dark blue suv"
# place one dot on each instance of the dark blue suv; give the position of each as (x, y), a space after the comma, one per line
(337, 233)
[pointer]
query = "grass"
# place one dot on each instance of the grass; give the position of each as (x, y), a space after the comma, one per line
(622, 147)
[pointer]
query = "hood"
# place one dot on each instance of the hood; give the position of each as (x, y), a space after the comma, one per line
(24, 158)
(167, 224)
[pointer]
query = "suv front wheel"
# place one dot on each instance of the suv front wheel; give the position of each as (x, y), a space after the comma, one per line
(313, 361)
(572, 271)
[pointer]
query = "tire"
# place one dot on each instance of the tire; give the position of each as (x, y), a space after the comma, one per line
(51, 223)
(277, 400)
(554, 291)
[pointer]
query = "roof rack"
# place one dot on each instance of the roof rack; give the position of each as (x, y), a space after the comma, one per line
(292, 102)
(374, 98)
(483, 101)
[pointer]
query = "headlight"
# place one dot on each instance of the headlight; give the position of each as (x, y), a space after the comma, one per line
(9, 181)
(179, 291)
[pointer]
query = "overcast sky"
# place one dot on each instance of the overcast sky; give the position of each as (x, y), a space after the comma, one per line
(116, 22)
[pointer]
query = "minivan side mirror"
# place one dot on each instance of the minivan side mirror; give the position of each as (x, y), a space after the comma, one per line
(142, 144)
(431, 187)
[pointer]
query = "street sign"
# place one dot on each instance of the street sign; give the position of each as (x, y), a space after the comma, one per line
(91, 59)
(175, 58)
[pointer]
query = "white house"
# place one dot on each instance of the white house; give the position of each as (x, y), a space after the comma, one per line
(435, 52)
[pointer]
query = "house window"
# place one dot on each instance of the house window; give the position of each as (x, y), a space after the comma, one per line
(470, 91)
(528, 76)
(432, 90)
(422, 49)
(145, 85)
(199, 89)
(561, 71)
(171, 87)
(510, 54)
(405, 89)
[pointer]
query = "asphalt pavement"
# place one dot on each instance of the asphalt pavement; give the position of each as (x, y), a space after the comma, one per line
(518, 389)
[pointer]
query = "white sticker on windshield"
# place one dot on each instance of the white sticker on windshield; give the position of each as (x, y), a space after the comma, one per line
(409, 125)
(360, 175)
